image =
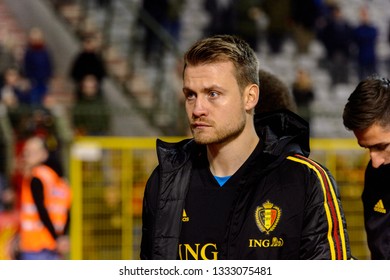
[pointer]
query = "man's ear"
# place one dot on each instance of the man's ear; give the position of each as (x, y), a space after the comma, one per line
(251, 96)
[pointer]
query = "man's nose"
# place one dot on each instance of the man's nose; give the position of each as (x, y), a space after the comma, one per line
(199, 107)
(376, 159)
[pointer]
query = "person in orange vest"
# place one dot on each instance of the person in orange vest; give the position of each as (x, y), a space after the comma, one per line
(45, 205)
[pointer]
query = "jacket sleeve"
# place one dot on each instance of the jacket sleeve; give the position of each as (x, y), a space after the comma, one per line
(148, 215)
(38, 196)
(324, 234)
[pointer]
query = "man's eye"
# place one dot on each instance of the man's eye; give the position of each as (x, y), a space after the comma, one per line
(379, 148)
(213, 94)
(383, 147)
(190, 96)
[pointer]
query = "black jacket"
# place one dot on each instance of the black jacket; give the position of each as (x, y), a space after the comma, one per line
(302, 197)
(376, 204)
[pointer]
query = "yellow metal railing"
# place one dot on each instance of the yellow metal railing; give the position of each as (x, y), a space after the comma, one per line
(108, 176)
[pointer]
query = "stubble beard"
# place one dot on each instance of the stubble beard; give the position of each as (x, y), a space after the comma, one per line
(220, 136)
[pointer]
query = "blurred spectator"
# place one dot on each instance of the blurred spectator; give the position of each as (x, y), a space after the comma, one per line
(303, 93)
(7, 58)
(304, 16)
(88, 61)
(221, 16)
(37, 66)
(45, 205)
(365, 38)
(154, 15)
(274, 94)
(279, 16)
(15, 89)
(14, 94)
(37, 121)
(90, 114)
(172, 21)
(157, 10)
(250, 22)
(336, 36)
(32, 122)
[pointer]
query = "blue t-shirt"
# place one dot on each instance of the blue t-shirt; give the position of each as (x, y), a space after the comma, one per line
(222, 180)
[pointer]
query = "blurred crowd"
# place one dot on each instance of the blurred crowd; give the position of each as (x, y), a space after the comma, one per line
(27, 103)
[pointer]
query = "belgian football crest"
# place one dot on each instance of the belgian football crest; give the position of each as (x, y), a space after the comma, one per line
(267, 216)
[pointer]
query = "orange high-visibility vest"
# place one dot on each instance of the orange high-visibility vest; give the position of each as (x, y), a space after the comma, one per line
(34, 236)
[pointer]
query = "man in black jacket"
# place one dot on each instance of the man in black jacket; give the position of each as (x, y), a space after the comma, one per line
(243, 187)
(367, 114)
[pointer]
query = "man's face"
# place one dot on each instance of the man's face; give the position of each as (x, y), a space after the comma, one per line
(376, 138)
(215, 107)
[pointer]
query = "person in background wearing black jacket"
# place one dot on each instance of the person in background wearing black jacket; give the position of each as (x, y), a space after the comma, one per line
(89, 61)
(367, 114)
(243, 187)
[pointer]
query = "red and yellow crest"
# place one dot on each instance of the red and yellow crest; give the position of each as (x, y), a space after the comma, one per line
(267, 216)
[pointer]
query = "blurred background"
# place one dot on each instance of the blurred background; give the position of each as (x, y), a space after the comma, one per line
(100, 80)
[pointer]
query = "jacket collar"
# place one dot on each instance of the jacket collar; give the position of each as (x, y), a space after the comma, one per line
(174, 155)
(283, 132)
